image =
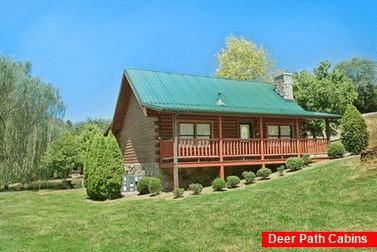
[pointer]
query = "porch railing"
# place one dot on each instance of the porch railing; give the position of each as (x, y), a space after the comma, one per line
(198, 148)
(210, 148)
(241, 147)
(313, 146)
(280, 146)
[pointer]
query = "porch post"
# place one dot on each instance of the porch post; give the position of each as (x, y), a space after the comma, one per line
(261, 140)
(328, 133)
(221, 175)
(297, 138)
(175, 171)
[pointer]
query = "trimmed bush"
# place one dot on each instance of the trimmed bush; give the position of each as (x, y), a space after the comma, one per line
(248, 176)
(281, 170)
(336, 150)
(354, 134)
(104, 168)
(196, 188)
(232, 181)
(142, 186)
(154, 186)
(307, 159)
(264, 173)
(178, 192)
(295, 163)
(218, 184)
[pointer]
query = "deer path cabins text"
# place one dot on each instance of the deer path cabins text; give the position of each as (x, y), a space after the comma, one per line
(185, 128)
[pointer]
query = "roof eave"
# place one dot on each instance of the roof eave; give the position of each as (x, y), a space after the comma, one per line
(180, 110)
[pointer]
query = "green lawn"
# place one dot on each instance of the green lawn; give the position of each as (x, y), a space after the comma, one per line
(335, 196)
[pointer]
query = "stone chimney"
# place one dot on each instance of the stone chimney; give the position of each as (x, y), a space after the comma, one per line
(284, 86)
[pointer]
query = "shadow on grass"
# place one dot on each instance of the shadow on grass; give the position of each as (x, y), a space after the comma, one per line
(119, 196)
(233, 187)
(49, 185)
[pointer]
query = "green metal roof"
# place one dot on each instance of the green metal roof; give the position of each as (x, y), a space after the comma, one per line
(199, 94)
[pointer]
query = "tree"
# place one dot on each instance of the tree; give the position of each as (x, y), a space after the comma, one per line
(363, 73)
(102, 124)
(241, 59)
(323, 91)
(103, 168)
(62, 156)
(354, 131)
(28, 106)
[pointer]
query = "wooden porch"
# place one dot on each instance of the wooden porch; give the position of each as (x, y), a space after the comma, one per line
(215, 152)
(260, 148)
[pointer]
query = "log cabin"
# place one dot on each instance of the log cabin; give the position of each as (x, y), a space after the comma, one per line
(184, 128)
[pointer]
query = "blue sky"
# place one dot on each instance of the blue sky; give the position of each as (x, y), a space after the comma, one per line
(82, 47)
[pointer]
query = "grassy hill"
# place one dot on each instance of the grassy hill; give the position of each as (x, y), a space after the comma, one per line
(371, 121)
(333, 196)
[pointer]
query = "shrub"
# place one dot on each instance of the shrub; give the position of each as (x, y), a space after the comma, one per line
(264, 173)
(142, 186)
(295, 163)
(336, 150)
(249, 176)
(178, 192)
(307, 159)
(281, 170)
(104, 168)
(232, 181)
(218, 184)
(196, 188)
(354, 134)
(154, 186)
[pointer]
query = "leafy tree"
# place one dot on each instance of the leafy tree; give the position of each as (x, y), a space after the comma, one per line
(63, 155)
(103, 168)
(354, 131)
(28, 109)
(363, 73)
(242, 59)
(323, 91)
(102, 125)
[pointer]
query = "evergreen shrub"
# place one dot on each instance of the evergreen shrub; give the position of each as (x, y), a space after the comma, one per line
(354, 134)
(248, 176)
(281, 170)
(178, 192)
(336, 150)
(264, 173)
(142, 186)
(218, 184)
(307, 159)
(232, 181)
(154, 186)
(196, 188)
(295, 163)
(104, 168)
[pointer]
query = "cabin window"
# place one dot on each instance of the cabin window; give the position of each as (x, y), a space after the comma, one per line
(246, 131)
(285, 132)
(279, 131)
(195, 130)
(203, 130)
(186, 130)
